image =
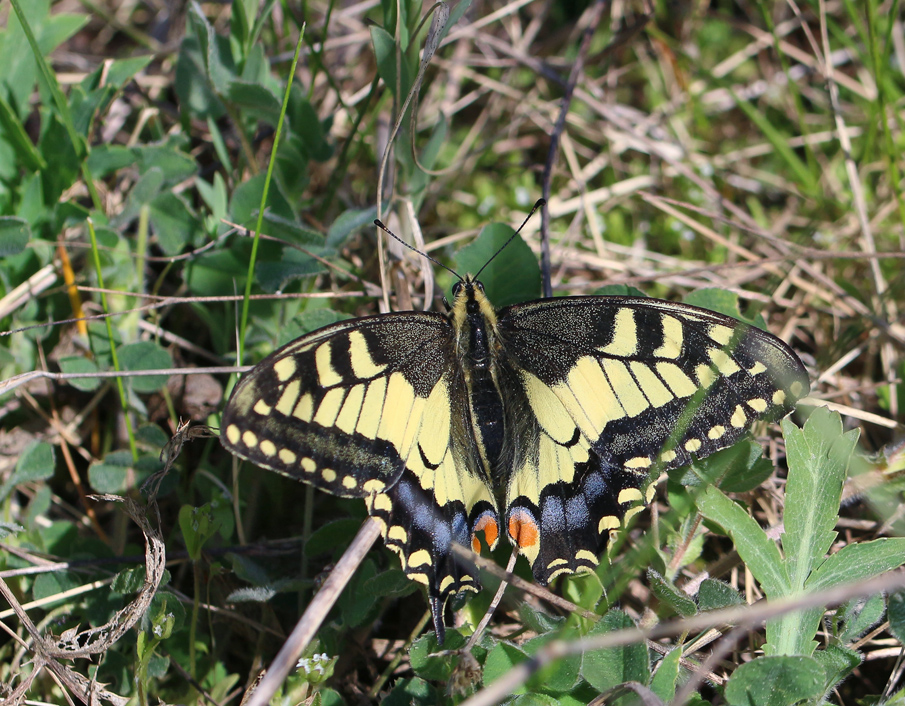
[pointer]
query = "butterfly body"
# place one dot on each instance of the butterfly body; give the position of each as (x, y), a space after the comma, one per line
(542, 421)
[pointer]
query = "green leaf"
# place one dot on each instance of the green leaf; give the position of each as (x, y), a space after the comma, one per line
(818, 457)
(411, 692)
(838, 662)
(713, 595)
(560, 675)
(775, 681)
(859, 615)
(896, 615)
(666, 677)
(738, 469)
(145, 355)
(116, 473)
(173, 222)
(73, 365)
(347, 223)
(604, 669)
(129, 580)
(758, 551)
(500, 660)
(715, 299)
(198, 525)
(855, 562)
(255, 101)
(513, 276)
(436, 667)
(669, 594)
(36, 463)
(14, 235)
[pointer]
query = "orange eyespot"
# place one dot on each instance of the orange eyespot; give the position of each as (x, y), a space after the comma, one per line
(523, 528)
(488, 525)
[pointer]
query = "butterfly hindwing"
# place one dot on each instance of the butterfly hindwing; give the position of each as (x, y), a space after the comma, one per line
(370, 408)
(621, 387)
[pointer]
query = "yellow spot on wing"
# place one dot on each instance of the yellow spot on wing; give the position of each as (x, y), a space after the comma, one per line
(630, 396)
(723, 362)
(757, 404)
(628, 495)
(585, 555)
(656, 391)
(308, 465)
(284, 368)
(589, 398)
(680, 384)
(625, 335)
(328, 474)
(716, 431)
(348, 416)
(631, 512)
(434, 439)
(262, 408)
(304, 410)
(721, 334)
(349, 483)
(548, 409)
(668, 456)
(268, 448)
(287, 457)
(638, 462)
(739, 418)
(374, 486)
(250, 439)
(327, 376)
(672, 338)
(396, 407)
(421, 557)
(705, 375)
(289, 398)
(233, 434)
(398, 534)
(692, 445)
(363, 364)
(371, 409)
(757, 368)
(779, 397)
(329, 407)
(607, 522)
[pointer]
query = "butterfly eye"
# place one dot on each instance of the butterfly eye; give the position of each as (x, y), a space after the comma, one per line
(457, 287)
(480, 286)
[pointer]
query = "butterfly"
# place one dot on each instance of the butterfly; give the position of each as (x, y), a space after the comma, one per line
(543, 421)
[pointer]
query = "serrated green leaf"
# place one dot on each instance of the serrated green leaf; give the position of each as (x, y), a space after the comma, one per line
(818, 457)
(758, 551)
(855, 562)
(775, 681)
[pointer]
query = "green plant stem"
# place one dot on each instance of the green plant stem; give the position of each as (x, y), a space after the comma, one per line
(124, 401)
(243, 324)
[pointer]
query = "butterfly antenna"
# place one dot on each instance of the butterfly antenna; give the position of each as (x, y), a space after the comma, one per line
(537, 205)
(386, 230)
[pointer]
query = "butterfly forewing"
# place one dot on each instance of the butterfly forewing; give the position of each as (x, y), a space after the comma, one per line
(371, 408)
(622, 388)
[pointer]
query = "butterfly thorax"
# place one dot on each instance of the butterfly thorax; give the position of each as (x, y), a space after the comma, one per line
(474, 322)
